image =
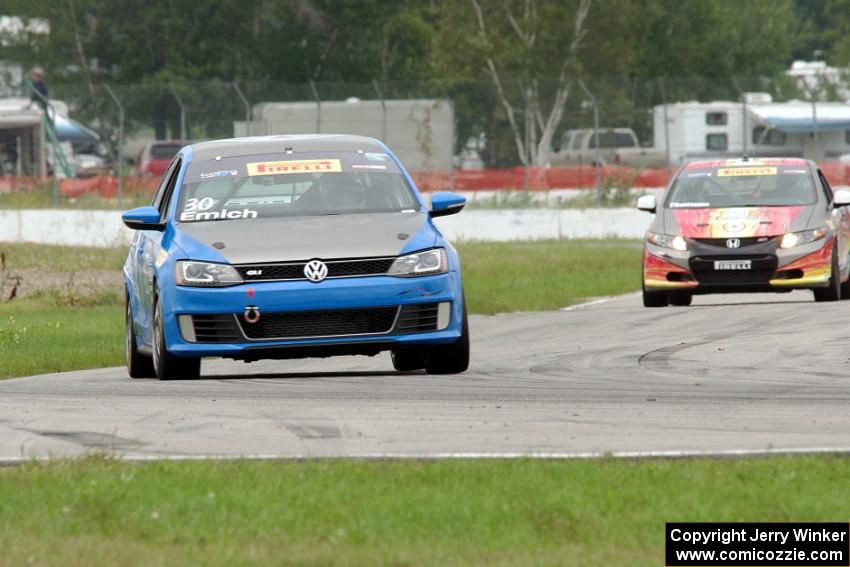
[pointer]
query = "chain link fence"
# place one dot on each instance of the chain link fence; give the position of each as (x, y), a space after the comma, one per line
(524, 134)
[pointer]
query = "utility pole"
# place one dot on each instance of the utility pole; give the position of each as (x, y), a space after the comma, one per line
(247, 105)
(182, 112)
(119, 166)
(597, 158)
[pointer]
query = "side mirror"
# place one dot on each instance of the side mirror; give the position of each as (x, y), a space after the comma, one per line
(647, 203)
(841, 198)
(143, 218)
(444, 203)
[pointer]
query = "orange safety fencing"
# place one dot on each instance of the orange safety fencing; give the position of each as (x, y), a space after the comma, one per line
(107, 186)
(537, 178)
(543, 179)
(492, 179)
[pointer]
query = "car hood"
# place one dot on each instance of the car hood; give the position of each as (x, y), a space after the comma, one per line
(249, 241)
(742, 222)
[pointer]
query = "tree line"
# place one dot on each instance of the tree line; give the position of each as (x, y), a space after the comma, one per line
(510, 66)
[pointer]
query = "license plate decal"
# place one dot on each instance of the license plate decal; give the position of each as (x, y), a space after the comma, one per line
(733, 264)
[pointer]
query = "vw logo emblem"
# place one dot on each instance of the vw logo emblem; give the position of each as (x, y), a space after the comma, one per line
(733, 243)
(315, 271)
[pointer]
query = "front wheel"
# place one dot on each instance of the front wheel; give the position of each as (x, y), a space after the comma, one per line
(451, 358)
(833, 292)
(166, 365)
(845, 287)
(138, 365)
(654, 298)
(406, 359)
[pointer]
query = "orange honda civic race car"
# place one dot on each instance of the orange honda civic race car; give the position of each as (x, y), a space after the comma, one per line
(747, 225)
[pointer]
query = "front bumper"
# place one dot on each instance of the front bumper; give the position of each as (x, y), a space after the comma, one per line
(773, 269)
(291, 297)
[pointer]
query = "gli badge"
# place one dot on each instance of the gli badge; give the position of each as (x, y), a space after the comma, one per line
(315, 271)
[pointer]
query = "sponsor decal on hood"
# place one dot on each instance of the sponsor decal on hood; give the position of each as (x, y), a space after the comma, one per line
(742, 222)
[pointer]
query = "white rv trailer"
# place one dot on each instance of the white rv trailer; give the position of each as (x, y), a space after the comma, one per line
(419, 131)
(720, 129)
(22, 140)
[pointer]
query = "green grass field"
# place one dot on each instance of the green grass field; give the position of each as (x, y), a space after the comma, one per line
(37, 337)
(537, 276)
(71, 328)
(476, 512)
(61, 258)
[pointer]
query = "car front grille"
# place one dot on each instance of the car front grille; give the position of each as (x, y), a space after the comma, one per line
(735, 277)
(326, 323)
(295, 270)
(742, 242)
(763, 268)
(229, 328)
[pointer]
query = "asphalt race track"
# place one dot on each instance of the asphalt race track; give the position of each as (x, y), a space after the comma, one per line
(730, 373)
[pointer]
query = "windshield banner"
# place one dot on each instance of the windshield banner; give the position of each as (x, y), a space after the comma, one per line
(294, 166)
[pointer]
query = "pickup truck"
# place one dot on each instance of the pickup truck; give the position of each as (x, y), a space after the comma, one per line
(617, 146)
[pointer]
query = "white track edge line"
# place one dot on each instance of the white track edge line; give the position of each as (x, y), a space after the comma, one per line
(10, 461)
(596, 301)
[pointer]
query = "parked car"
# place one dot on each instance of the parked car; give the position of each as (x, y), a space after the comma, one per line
(747, 226)
(89, 159)
(617, 146)
(155, 157)
(289, 247)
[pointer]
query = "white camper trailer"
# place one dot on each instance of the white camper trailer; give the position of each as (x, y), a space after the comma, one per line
(420, 132)
(21, 139)
(704, 130)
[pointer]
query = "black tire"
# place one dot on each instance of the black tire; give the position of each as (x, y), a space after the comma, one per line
(406, 359)
(833, 292)
(654, 298)
(166, 365)
(682, 299)
(452, 358)
(138, 365)
(845, 287)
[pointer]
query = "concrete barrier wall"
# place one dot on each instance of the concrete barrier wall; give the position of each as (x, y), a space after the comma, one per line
(47, 226)
(104, 228)
(537, 224)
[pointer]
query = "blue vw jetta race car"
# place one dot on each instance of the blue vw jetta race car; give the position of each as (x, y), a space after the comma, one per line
(289, 247)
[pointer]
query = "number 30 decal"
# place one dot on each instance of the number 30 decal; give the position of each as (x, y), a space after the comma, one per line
(199, 204)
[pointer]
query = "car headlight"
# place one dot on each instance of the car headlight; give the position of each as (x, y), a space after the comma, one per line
(206, 274)
(668, 241)
(792, 239)
(420, 264)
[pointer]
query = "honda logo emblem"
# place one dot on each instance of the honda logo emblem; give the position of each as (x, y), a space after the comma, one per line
(733, 243)
(315, 271)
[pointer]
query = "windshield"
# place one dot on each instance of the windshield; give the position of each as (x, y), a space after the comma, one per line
(748, 186)
(262, 186)
(609, 139)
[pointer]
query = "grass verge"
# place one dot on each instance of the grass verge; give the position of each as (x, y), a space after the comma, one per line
(477, 512)
(537, 276)
(42, 198)
(38, 337)
(61, 258)
(70, 316)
